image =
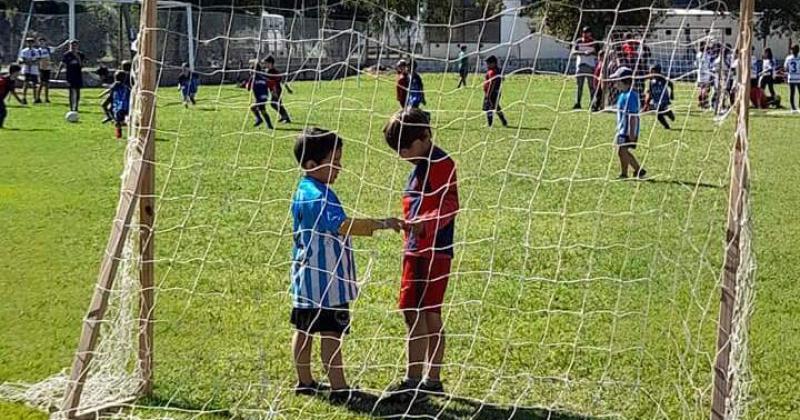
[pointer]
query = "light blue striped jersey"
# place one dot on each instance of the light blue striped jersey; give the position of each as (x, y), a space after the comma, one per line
(323, 268)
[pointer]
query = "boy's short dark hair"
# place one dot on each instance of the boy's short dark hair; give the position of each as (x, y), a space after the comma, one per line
(463, 48)
(119, 76)
(491, 60)
(405, 127)
(126, 65)
(315, 144)
(796, 49)
(655, 68)
(270, 59)
(14, 68)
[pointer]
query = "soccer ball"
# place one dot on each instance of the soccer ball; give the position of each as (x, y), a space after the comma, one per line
(71, 116)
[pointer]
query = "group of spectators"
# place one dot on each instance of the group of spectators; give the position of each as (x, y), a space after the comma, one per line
(36, 68)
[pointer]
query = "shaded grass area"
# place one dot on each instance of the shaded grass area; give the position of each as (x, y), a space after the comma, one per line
(570, 290)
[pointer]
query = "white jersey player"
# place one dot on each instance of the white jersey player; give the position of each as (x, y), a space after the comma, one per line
(792, 66)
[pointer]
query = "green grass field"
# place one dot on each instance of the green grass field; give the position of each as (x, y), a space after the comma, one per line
(571, 290)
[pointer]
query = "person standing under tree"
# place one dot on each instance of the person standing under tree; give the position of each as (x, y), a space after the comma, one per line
(73, 62)
(29, 57)
(586, 53)
(463, 66)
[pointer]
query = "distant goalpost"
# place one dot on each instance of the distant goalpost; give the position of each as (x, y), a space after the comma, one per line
(132, 253)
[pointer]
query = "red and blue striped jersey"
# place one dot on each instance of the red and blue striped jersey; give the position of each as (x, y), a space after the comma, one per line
(431, 196)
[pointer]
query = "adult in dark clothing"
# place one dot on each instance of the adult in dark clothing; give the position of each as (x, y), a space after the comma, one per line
(72, 61)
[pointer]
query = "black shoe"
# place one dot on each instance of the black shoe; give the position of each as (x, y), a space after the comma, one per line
(311, 389)
(258, 122)
(344, 396)
(285, 120)
(642, 174)
(37, 101)
(405, 392)
(107, 120)
(576, 106)
(432, 387)
(622, 177)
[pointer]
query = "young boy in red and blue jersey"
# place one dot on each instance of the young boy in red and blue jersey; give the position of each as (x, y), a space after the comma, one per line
(274, 85)
(258, 84)
(430, 206)
(8, 85)
(491, 92)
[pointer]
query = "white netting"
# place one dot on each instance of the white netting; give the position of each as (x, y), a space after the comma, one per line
(570, 293)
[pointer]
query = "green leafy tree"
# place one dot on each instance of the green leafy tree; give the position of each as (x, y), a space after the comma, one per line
(564, 18)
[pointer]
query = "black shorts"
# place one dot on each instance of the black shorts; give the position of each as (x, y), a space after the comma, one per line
(314, 320)
(491, 102)
(31, 78)
(624, 142)
(75, 83)
(45, 76)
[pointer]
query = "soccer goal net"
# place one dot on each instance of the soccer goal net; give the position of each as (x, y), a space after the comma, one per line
(571, 292)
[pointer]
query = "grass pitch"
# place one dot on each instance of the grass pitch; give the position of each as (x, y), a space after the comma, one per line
(570, 290)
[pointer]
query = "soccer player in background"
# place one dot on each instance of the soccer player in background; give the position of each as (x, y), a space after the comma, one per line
(627, 133)
(792, 67)
(401, 83)
(120, 95)
(274, 84)
(258, 84)
(416, 89)
(187, 84)
(463, 66)
(491, 92)
(767, 75)
(45, 71)
(323, 272)
(73, 62)
(8, 85)
(660, 95)
(430, 206)
(29, 57)
(703, 63)
(585, 51)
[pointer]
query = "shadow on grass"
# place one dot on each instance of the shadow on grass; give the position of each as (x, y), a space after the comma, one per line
(205, 411)
(683, 183)
(28, 130)
(449, 408)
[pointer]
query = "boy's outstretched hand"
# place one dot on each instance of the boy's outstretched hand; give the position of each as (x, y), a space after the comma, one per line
(392, 223)
(417, 227)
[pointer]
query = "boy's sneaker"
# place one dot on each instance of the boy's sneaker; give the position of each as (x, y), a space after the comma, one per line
(343, 396)
(432, 387)
(311, 389)
(258, 122)
(37, 101)
(622, 177)
(107, 120)
(405, 391)
(576, 106)
(642, 174)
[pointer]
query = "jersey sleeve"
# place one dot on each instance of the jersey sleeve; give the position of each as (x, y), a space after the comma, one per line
(322, 214)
